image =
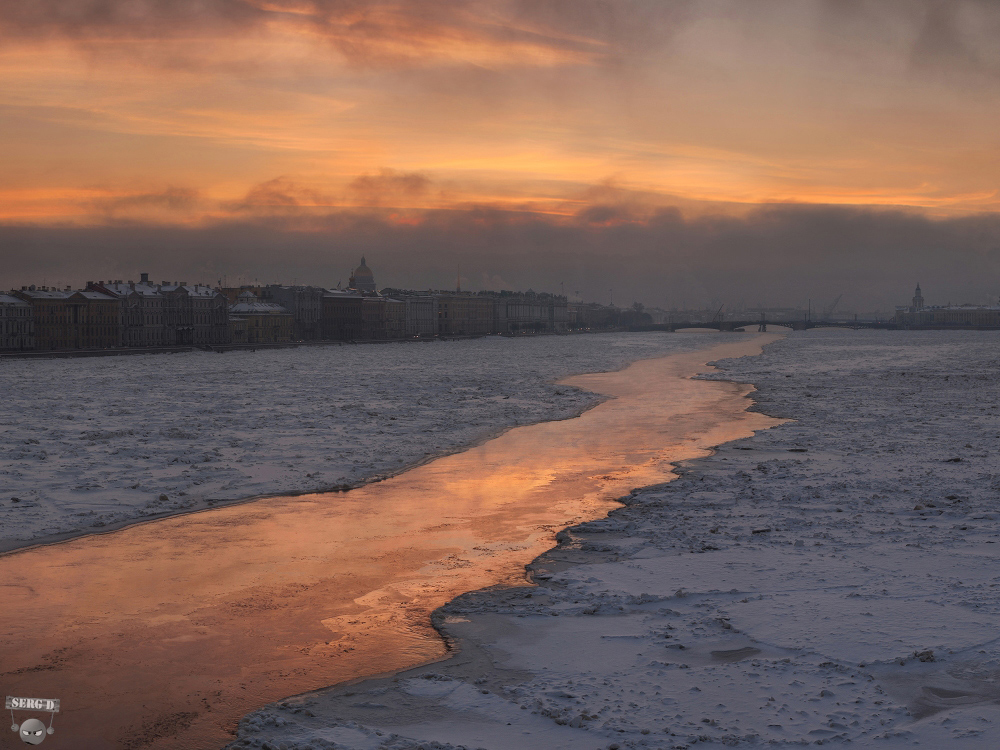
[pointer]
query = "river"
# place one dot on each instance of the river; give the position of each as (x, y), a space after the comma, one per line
(164, 634)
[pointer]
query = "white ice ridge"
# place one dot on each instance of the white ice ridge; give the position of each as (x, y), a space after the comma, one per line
(831, 581)
(87, 444)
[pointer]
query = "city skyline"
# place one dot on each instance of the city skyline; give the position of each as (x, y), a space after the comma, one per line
(691, 150)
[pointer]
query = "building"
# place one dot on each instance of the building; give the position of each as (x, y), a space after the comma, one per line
(462, 314)
(949, 316)
(530, 313)
(475, 314)
(592, 315)
(265, 322)
(17, 324)
(141, 310)
(921, 315)
(194, 315)
(305, 303)
(67, 319)
(237, 330)
(421, 315)
(363, 280)
(232, 293)
(382, 318)
(341, 318)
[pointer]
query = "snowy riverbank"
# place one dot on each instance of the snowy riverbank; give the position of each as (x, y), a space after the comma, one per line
(831, 580)
(89, 444)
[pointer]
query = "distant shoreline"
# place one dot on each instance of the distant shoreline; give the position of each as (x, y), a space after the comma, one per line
(223, 348)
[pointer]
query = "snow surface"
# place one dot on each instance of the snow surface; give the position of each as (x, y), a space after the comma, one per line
(833, 580)
(90, 444)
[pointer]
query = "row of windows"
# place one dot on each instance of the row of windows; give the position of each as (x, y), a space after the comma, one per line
(57, 316)
(45, 331)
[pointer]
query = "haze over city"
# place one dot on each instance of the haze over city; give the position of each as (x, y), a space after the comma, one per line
(681, 153)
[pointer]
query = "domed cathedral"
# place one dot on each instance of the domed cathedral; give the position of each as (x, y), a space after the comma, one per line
(362, 279)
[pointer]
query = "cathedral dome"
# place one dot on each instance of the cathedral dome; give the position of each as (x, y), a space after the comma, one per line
(363, 279)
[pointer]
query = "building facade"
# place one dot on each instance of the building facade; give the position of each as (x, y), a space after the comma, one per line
(305, 303)
(264, 322)
(949, 316)
(195, 315)
(920, 315)
(17, 324)
(530, 313)
(141, 310)
(341, 319)
(383, 318)
(237, 329)
(465, 314)
(421, 315)
(592, 315)
(67, 319)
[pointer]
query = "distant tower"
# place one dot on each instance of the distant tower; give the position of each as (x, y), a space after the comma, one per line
(918, 300)
(362, 279)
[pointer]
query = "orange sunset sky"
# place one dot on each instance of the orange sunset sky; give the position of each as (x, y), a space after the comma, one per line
(196, 115)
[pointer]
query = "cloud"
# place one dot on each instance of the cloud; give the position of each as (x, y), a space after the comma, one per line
(958, 37)
(605, 215)
(388, 187)
(955, 35)
(777, 255)
(948, 38)
(279, 194)
(174, 199)
(80, 19)
(365, 32)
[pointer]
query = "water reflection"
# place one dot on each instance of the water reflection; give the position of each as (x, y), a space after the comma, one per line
(164, 634)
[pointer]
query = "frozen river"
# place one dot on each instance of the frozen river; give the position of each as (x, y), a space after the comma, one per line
(832, 581)
(88, 445)
(163, 634)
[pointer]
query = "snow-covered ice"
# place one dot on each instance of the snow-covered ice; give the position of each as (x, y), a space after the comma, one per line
(833, 580)
(90, 444)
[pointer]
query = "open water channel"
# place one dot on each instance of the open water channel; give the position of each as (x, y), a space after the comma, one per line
(163, 634)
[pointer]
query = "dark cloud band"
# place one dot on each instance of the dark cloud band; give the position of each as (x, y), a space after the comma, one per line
(778, 255)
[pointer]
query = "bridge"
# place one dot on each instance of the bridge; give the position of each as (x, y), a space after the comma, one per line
(761, 324)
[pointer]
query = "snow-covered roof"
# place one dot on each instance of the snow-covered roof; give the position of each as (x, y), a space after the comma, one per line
(93, 295)
(196, 290)
(257, 308)
(6, 299)
(122, 288)
(45, 293)
(56, 294)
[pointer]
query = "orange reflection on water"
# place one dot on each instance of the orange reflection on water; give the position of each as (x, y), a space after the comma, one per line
(163, 634)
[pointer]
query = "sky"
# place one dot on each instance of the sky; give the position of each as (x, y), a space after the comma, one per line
(674, 152)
